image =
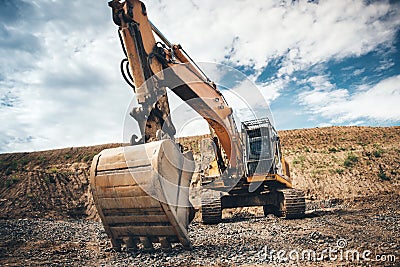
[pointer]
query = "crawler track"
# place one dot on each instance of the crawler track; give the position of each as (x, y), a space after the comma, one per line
(211, 210)
(294, 205)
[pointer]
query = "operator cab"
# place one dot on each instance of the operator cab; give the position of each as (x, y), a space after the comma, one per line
(262, 150)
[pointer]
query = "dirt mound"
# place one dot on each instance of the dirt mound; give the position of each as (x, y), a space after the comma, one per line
(47, 184)
(344, 162)
(334, 162)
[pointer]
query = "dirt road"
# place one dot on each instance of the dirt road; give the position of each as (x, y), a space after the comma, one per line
(364, 232)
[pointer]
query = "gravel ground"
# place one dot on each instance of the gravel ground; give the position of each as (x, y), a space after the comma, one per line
(244, 238)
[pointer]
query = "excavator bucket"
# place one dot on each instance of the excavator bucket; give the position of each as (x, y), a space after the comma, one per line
(142, 194)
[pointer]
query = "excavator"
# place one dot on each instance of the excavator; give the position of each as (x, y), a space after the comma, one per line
(141, 190)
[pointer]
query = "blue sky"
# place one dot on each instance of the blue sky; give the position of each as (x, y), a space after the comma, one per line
(351, 73)
(316, 63)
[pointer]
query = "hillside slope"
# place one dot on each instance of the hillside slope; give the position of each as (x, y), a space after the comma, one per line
(45, 184)
(333, 162)
(344, 162)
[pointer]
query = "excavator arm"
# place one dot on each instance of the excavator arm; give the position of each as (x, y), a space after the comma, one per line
(157, 65)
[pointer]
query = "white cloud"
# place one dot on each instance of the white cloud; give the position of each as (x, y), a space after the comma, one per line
(385, 64)
(358, 71)
(266, 29)
(319, 98)
(320, 82)
(378, 103)
(72, 93)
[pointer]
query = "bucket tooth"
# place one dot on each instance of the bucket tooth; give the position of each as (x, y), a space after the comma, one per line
(165, 244)
(147, 244)
(116, 244)
(132, 243)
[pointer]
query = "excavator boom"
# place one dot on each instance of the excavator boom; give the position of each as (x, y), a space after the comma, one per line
(155, 66)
